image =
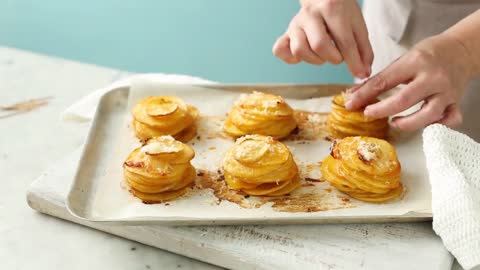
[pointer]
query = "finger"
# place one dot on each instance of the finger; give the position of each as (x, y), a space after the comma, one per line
(300, 48)
(396, 73)
(415, 92)
(452, 116)
(365, 48)
(355, 87)
(431, 112)
(342, 34)
(321, 42)
(281, 49)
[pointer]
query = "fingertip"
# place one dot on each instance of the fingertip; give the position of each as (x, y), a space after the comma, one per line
(337, 58)
(275, 48)
(360, 74)
(452, 118)
(353, 89)
(352, 103)
(291, 61)
(394, 122)
(394, 125)
(355, 65)
(368, 62)
(369, 112)
(281, 49)
(280, 46)
(280, 40)
(349, 105)
(369, 70)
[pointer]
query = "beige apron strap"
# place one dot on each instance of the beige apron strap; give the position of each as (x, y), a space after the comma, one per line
(386, 22)
(394, 13)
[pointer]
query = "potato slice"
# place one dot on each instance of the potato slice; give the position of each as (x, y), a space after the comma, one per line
(343, 123)
(162, 145)
(250, 151)
(161, 107)
(261, 166)
(164, 115)
(260, 113)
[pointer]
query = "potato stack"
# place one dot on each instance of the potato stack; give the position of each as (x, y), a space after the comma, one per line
(365, 168)
(164, 115)
(260, 113)
(262, 166)
(160, 170)
(343, 123)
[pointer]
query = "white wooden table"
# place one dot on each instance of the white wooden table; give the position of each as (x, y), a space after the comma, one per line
(32, 142)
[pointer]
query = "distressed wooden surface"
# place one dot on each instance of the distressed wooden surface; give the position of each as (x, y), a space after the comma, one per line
(29, 144)
(368, 246)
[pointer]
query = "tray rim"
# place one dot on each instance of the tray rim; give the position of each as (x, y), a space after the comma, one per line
(183, 221)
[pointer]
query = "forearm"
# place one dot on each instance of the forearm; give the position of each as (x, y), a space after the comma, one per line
(467, 34)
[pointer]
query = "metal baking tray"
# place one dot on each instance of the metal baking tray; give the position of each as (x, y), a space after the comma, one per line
(99, 150)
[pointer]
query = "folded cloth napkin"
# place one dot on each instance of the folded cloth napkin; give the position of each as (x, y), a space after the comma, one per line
(84, 109)
(453, 162)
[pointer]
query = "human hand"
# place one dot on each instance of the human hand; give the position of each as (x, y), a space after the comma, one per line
(327, 31)
(435, 71)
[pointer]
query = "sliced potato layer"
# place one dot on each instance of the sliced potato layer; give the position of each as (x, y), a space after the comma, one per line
(365, 168)
(343, 123)
(160, 170)
(262, 166)
(260, 113)
(164, 115)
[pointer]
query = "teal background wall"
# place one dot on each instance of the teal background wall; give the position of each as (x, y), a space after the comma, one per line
(223, 40)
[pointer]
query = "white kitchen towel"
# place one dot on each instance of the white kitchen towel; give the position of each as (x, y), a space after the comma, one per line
(84, 109)
(453, 162)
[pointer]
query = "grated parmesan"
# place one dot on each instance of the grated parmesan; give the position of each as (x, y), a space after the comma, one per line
(367, 150)
(246, 137)
(271, 103)
(241, 99)
(314, 118)
(166, 145)
(163, 168)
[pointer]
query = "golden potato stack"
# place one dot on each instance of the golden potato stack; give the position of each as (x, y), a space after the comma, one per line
(365, 168)
(343, 123)
(262, 166)
(160, 170)
(260, 113)
(164, 115)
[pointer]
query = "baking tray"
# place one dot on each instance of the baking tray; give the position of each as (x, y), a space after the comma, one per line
(100, 145)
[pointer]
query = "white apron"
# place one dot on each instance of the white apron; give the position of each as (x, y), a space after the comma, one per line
(396, 25)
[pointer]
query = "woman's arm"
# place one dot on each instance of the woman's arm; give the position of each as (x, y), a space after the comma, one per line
(436, 71)
(467, 33)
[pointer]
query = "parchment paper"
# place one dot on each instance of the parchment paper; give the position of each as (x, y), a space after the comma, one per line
(113, 201)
